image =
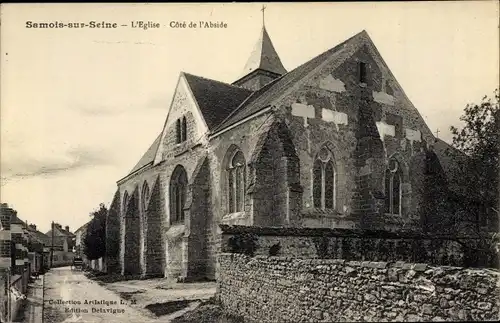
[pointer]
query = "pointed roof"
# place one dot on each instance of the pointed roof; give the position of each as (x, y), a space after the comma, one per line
(264, 56)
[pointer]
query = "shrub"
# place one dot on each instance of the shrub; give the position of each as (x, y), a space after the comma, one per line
(244, 243)
(321, 244)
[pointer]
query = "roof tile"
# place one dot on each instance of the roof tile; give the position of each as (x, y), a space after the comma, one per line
(215, 99)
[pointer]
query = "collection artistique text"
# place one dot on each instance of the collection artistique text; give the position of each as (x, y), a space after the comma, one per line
(106, 306)
(85, 302)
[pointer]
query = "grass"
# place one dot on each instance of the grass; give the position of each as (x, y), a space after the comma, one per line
(208, 312)
(160, 309)
(101, 277)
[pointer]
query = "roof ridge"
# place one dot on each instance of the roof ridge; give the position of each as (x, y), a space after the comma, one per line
(217, 81)
(134, 170)
(261, 91)
(242, 104)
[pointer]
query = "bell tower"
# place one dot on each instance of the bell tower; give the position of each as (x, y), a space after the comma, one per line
(263, 65)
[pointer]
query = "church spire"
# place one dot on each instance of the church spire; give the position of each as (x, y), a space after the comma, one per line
(264, 59)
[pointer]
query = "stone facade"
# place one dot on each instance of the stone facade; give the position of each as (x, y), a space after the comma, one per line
(343, 110)
(279, 289)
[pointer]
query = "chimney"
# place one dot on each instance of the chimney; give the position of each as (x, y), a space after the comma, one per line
(33, 226)
(67, 228)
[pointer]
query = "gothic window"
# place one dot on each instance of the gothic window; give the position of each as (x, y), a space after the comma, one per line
(184, 130)
(388, 88)
(236, 183)
(393, 190)
(178, 132)
(125, 202)
(145, 196)
(324, 181)
(178, 190)
(362, 72)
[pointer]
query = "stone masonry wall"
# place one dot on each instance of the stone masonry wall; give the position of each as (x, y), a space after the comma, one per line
(363, 245)
(278, 289)
(325, 109)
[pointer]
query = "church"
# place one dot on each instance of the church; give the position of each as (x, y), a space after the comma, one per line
(333, 143)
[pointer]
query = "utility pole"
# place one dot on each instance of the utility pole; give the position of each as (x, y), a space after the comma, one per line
(52, 246)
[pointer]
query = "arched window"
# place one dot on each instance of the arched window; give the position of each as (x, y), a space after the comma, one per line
(125, 202)
(324, 180)
(145, 196)
(184, 130)
(178, 190)
(236, 183)
(178, 131)
(393, 192)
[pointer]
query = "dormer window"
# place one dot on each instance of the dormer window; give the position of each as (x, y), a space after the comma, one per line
(362, 72)
(181, 130)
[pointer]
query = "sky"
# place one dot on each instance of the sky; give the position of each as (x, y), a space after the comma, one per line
(79, 107)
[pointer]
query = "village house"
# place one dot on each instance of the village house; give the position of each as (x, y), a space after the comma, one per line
(62, 242)
(15, 264)
(38, 250)
(79, 239)
(332, 143)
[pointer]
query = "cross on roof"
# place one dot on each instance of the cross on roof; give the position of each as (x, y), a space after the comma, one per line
(437, 133)
(263, 13)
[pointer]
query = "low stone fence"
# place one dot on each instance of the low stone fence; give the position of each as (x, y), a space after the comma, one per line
(361, 245)
(282, 289)
(17, 294)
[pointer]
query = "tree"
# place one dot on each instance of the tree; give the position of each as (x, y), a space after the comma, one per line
(94, 242)
(476, 176)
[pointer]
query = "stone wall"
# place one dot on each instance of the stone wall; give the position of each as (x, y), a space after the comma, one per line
(279, 289)
(363, 245)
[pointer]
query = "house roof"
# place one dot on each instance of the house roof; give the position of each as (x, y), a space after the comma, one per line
(148, 156)
(61, 232)
(264, 56)
(215, 99)
(264, 97)
(38, 236)
(14, 219)
(83, 227)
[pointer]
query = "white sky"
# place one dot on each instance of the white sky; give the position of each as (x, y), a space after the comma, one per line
(79, 107)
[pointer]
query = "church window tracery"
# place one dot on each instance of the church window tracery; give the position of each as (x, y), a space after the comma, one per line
(181, 130)
(324, 180)
(393, 187)
(236, 182)
(178, 191)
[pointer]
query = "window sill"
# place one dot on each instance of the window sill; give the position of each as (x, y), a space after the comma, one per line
(314, 212)
(232, 216)
(176, 230)
(393, 214)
